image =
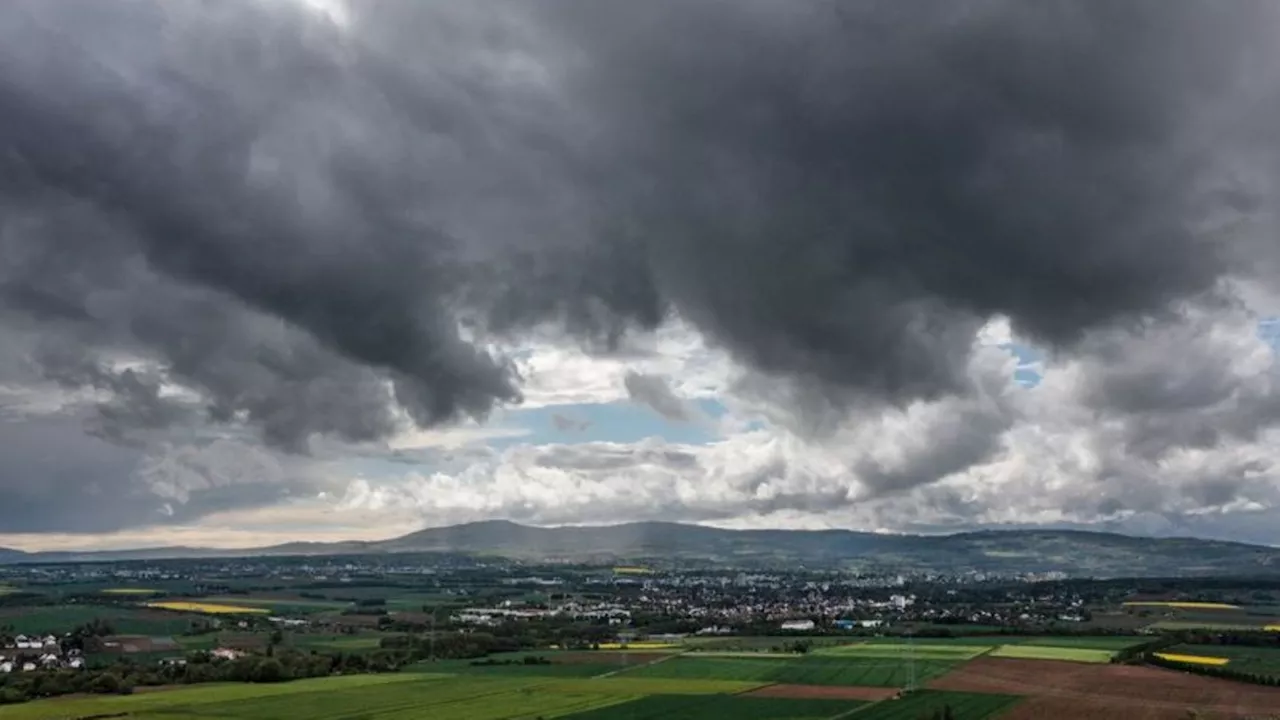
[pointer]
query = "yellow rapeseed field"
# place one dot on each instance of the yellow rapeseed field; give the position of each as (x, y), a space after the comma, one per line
(201, 607)
(1193, 659)
(1272, 628)
(1184, 605)
(642, 645)
(632, 570)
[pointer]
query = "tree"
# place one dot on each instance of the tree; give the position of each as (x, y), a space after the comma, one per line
(268, 671)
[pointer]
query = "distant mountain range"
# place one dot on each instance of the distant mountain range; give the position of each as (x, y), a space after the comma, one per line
(1004, 551)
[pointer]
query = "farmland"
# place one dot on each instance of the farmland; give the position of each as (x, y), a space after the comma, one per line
(740, 707)
(385, 697)
(964, 706)
(921, 650)
(874, 671)
(1047, 652)
(59, 618)
(1067, 690)
(1182, 605)
(1260, 660)
(204, 607)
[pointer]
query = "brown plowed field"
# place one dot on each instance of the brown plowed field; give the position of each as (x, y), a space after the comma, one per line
(824, 692)
(1081, 691)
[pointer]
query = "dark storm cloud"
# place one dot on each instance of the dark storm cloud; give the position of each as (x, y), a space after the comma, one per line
(838, 194)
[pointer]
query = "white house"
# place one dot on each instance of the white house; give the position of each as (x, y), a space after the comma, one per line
(226, 654)
(798, 625)
(76, 663)
(28, 667)
(6, 667)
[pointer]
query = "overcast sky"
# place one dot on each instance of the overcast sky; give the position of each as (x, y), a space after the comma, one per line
(278, 270)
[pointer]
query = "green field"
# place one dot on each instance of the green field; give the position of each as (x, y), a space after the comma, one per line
(465, 667)
(764, 643)
(375, 697)
(1045, 652)
(1206, 625)
(294, 605)
(922, 704)
(1117, 642)
(1260, 660)
(918, 650)
(58, 619)
(739, 707)
(813, 670)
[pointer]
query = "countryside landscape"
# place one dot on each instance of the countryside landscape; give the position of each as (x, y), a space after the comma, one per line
(461, 634)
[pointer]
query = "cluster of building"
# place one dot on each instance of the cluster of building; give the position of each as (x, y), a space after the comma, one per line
(28, 654)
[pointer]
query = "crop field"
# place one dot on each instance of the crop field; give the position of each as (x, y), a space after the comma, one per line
(516, 669)
(1086, 642)
(1070, 691)
(57, 619)
(298, 605)
(1047, 652)
(1188, 659)
(812, 670)
(1178, 605)
(1261, 660)
(205, 608)
(763, 643)
(922, 704)
(126, 591)
(1205, 625)
(918, 650)
(739, 707)
(377, 697)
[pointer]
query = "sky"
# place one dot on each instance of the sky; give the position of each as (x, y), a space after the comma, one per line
(277, 270)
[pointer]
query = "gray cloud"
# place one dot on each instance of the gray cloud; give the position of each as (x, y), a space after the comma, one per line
(833, 193)
(243, 215)
(654, 392)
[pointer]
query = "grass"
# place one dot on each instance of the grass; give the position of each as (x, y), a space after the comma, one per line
(813, 670)
(923, 703)
(1047, 652)
(685, 707)
(205, 608)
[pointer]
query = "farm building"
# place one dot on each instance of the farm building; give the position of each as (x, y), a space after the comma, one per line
(799, 625)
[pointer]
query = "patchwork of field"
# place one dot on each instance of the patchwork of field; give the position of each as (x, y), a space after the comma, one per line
(1059, 690)
(390, 697)
(871, 670)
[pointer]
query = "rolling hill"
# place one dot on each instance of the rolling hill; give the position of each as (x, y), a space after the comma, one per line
(1001, 551)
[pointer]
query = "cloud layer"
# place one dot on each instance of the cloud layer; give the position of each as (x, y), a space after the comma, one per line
(241, 242)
